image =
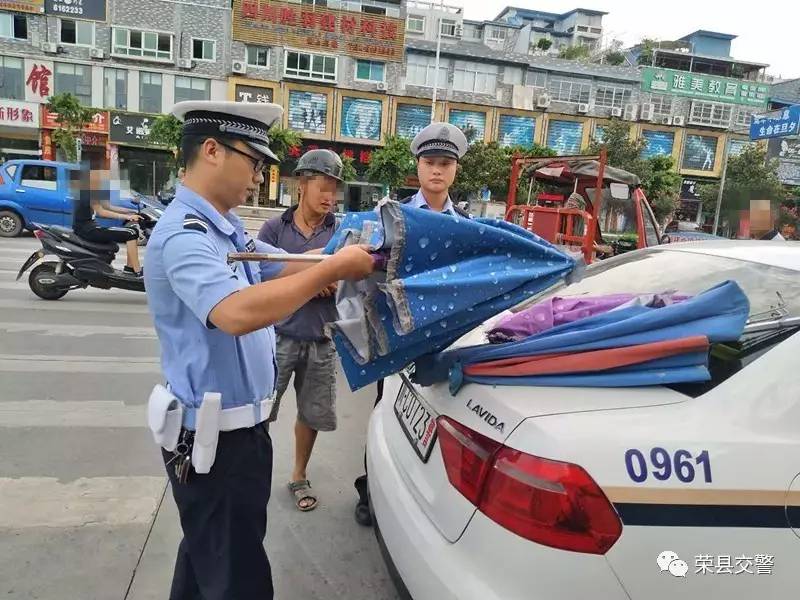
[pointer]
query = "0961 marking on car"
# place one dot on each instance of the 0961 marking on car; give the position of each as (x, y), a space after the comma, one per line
(665, 466)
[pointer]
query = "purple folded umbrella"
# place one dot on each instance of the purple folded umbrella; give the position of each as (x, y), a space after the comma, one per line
(557, 311)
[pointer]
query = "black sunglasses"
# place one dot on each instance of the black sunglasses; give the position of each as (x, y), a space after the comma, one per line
(259, 164)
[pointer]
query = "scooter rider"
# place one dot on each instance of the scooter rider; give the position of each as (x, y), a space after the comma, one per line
(92, 200)
(214, 323)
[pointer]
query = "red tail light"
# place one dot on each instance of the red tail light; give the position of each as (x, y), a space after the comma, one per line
(2, 181)
(553, 503)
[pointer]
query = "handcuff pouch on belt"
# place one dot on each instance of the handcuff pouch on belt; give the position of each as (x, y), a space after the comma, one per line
(207, 428)
(164, 417)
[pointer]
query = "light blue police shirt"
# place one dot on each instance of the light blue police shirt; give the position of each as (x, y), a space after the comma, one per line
(186, 274)
(418, 201)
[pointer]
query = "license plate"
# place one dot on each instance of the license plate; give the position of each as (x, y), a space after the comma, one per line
(416, 420)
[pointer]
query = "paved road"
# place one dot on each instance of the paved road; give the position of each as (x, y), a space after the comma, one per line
(85, 512)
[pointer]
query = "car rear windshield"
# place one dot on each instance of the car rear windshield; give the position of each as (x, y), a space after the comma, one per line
(660, 270)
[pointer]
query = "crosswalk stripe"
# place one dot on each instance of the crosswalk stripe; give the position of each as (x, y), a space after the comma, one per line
(20, 363)
(79, 330)
(83, 413)
(68, 303)
(27, 502)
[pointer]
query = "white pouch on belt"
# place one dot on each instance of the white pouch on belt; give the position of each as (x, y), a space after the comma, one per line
(206, 432)
(164, 417)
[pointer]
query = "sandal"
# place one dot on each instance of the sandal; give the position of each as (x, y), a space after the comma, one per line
(302, 495)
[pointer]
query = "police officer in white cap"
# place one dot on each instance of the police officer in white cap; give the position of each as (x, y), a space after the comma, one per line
(437, 148)
(214, 324)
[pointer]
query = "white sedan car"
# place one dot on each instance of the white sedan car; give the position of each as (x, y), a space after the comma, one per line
(682, 491)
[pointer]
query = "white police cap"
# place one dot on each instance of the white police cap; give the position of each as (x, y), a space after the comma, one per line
(247, 121)
(440, 139)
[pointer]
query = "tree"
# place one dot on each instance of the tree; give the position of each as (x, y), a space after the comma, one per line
(489, 166)
(648, 52)
(544, 44)
(348, 170)
(72, 118)
(470, 132)
(660, 182)
(391, 164)
(579, 52)
(282, 140)
(615, 58)
(750, 176)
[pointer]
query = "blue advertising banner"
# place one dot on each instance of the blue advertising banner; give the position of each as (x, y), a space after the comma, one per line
(411, 119)
(565, 137)
(599, 133)
(308, 112)
(361, 118)
(516, 131)
(777, 124)
(659, 143)
(470, 118)
(699, 152)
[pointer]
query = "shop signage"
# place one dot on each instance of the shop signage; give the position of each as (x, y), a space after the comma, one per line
(28, 6)
(275, 23)
(98, 124)
(253, 93)
(92, 10)
(700, 152)
(38, 80)
(704, 87)
(361, 155)
(776, 124)
(19, 114)
(361, 118)
(787, 152)
(131, 129)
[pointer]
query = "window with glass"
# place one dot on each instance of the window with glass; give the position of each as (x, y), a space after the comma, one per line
(204, 49)
(137, 43)
(448, 27)
(40, 177)
(305, 65)
(150, 92)
(576, 91)
(536, 79)
(608, 96)
(480, 78)
(76, 33)
(662, 106)
(12, 78)
(74, 79)
(13, 26)
(370, 70)
(115, 88)
(512, 75)
(415, 24)
(421, 70)
(496, 34)
(744, 117)
(472, 32)
(257, 56)
(192, 88)
(712, 114)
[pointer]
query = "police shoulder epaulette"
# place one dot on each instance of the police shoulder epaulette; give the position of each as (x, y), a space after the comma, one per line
(195, 222)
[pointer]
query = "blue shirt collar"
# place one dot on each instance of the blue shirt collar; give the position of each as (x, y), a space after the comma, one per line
(227, 224)
(419, 201)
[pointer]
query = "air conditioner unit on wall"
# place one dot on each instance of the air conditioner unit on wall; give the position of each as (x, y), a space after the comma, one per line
(380, 86)
(629, 114)
(97, 53)
(239, 67)
(679, 121)
(185, 63)
(666, 120)
(543, 101)
(583, 108)
(646, 113)
(616, 112)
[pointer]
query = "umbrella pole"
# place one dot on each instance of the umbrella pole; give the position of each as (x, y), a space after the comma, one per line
(276, 257)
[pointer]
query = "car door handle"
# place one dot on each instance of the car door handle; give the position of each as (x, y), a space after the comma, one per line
(20, 191)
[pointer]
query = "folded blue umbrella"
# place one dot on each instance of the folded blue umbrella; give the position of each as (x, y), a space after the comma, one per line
(444, 276)
(719, 314)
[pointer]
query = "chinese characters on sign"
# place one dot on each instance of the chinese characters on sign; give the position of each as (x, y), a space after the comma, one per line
(98, 124)
(19, 114)
(28, 6)
(705, 87)
(776, 124)
(38, 80)
(131, 129)
(252, 93)
(759, 564)
(272, 22)
(787, 152)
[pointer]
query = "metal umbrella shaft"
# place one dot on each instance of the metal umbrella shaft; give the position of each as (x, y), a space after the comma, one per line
(276, 257)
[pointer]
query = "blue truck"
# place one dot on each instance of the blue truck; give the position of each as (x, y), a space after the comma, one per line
(38, 192)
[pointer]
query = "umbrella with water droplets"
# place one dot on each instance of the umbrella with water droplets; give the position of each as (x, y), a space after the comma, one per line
(444, 276)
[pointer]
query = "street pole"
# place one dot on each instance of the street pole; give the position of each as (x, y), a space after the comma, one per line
(721, 186)
(436, 67)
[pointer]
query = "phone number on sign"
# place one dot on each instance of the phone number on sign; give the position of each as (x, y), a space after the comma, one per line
(73, 10)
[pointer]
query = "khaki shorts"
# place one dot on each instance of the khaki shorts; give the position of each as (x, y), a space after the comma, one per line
(314, 367)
